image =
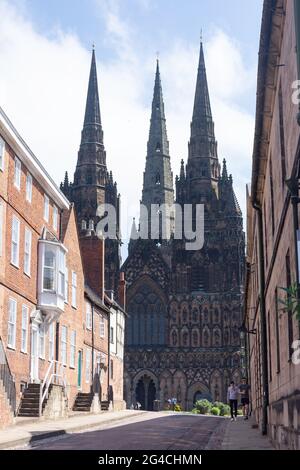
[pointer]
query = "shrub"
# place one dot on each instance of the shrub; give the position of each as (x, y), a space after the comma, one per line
(215, 411)
(224, 409)
(177, 408)
(195, 411)
(240, 413)
(204, 406)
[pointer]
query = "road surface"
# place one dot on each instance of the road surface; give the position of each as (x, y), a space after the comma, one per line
(152, 431)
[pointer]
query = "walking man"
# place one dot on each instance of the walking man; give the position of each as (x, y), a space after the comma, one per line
(244, 391)
(232, 397)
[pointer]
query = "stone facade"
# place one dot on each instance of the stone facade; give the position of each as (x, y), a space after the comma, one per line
(185, 306)
(271, 255)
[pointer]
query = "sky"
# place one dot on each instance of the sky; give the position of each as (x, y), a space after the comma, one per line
(45, 53)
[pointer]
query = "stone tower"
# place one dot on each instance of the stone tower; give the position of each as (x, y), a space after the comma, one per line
(93, 184)
(158, 178)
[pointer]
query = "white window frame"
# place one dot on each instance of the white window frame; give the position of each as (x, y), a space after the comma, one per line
(15, 241)
(51, 341)
(112, 333)
(12, 323)
(64, 343)
(55, 218)
(2, 154)
(61, 273)
(49, 267)
(46, 207)
(24, 331)
(88, 360)
(67, 286)
(1, 226)
(42, 342)
(102, 327)
(28, 187)
(18, 170)
(27, 251)
(88, 316)
(72, 348)
(74, 289)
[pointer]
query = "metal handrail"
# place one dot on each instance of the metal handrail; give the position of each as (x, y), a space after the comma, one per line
(57, 369)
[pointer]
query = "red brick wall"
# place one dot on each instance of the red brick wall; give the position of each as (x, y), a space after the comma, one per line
(6, 414)
(92, 249)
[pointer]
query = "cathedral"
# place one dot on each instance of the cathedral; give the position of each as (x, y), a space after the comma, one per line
(185, 306)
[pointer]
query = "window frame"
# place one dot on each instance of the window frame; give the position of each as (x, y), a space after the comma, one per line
(17, 174)
(55, 218)
(24, 328)
(2, 154)
(27, 254)
(12, 301)
(46, 208)
(29, 187)
(72, 349)
(15, 262)
(64, 345)
(74, 290)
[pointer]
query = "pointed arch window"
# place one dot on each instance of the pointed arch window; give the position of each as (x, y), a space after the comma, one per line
(157, 179)
(158, 147)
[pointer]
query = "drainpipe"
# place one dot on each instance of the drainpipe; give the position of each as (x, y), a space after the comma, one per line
(92, 368)
(108, 358)
(263, 322)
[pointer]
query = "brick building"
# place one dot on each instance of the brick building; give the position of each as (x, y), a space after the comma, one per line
(272, 224)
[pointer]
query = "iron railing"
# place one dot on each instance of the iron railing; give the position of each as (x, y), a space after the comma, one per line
(7, 379)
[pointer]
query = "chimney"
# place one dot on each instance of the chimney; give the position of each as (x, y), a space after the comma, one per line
(122, 290)
(92, 253)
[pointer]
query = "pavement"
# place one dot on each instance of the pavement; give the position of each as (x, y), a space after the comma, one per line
(244, 435)
(27, 430)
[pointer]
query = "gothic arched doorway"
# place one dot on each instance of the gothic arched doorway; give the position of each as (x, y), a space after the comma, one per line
(145, 393)
(201, 396)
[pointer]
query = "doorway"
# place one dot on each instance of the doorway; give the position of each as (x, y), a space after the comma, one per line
(145, 393)
(79, 369)
(34, 369)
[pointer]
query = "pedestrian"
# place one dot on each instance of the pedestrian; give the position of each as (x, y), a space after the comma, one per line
(232, 397)
(244, 391)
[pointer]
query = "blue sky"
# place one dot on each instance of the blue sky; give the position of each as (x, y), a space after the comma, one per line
(46, 46)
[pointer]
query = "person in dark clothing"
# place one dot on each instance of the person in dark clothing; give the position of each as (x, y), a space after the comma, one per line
(244, 391)
(232, 397)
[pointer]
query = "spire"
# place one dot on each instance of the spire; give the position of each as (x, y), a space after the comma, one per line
(158, 177)
(182, 172)
(158, 140)
(224, 171)
(92, 128)
(202, 115)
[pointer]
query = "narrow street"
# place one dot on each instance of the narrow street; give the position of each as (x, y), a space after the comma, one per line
(154, 431)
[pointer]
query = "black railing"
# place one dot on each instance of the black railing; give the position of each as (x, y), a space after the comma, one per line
(7, 379)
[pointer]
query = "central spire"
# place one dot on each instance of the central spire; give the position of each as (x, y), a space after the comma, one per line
(158, 140)
(158, 177)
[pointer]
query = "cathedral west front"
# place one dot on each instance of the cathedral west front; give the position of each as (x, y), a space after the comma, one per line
(185, 306)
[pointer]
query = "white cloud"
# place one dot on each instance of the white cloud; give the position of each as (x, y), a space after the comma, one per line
(43, 84)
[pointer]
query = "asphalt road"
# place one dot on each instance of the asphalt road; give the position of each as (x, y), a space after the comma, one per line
(155, 431)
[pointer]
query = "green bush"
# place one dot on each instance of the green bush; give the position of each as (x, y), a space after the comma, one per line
(240, 413)
(224, 409)
(204, 406)
(215, 411)
(195, 411)
(177, 408)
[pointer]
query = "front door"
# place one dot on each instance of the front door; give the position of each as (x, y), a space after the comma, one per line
(34, 354)
(79, 369)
